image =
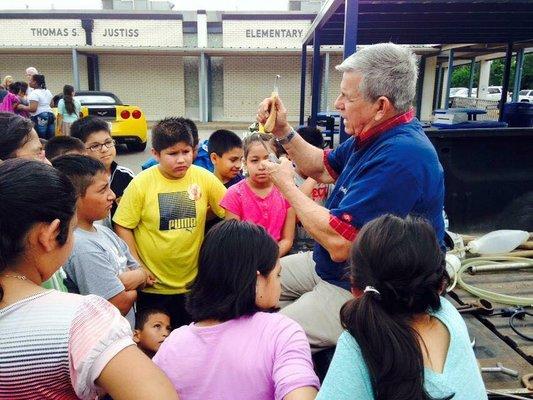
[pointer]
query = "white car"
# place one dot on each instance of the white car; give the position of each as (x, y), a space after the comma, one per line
(494, 93)
(462, 92)
(526, 95)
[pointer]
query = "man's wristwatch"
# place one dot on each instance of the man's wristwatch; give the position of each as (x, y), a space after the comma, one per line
(287, 138)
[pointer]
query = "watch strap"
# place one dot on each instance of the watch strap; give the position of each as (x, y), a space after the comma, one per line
(287, 138)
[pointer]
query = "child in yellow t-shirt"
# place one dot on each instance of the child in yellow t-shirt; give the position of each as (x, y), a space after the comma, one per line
(162, 217)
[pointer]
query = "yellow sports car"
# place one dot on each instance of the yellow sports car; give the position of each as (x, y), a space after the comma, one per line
(127, 123)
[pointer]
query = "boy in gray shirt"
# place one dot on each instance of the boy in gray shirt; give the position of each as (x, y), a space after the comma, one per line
(100, 262)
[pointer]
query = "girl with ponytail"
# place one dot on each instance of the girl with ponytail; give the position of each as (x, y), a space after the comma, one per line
(403, 341)
(68, 110)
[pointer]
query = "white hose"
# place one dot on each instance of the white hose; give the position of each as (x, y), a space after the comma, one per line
(487, 294)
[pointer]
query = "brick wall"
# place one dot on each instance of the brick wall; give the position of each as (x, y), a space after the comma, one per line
(249, 79)
(191, 89)
(217, 88)
(154, 83)
(57, 68)
(335, 78)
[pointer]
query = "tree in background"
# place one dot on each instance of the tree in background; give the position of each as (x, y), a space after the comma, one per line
(461, 74)
(527, 72)
(496, 72)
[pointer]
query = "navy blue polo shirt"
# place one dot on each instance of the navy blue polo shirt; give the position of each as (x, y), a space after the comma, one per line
(396, 172)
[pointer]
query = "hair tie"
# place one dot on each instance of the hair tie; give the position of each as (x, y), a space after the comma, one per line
(371, 289)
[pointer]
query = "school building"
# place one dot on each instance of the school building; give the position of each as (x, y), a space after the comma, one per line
(208, 66)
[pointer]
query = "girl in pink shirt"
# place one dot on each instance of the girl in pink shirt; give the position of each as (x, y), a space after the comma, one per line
(11, 100)
(257, 200)
(235, 350)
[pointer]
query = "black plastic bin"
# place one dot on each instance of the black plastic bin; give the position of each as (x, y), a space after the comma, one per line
(488, 178)
(518, 114)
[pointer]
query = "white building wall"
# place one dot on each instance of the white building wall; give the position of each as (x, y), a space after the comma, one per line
(335, 78)
(152, 82)
(484, 75)
(57, 68)
(428, 88)
(250, 79)
(443, 88)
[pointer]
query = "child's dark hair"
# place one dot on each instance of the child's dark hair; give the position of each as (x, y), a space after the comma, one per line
(31, 192)
(55, 100)
(15, 88)
(15, 132)
(278, 148)
(40, 81)
(84, 127)
(68, 98)
(23, 86)
(231, 255)
(142, 315)
(402, 260)
(249, 140)
(193, 129)
(59, 145)
(311, 135)
(81, 170)
(222, 141)
(170, 131)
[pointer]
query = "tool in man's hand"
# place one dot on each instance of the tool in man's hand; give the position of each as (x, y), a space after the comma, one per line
(271, 120)
(500, 368)
(266, 129)
(480, 307)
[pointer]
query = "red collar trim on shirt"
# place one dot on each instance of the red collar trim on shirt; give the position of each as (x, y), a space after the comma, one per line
(368, 136)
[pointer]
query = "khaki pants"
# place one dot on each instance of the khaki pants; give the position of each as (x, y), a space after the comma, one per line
(312, 302)
(65, 128)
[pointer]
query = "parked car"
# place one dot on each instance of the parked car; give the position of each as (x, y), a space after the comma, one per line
(493, 93)
(127, 123)
(462, 92)
(526, 95)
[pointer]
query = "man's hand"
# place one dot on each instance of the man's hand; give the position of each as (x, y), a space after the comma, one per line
(282, 174)
(282, 127)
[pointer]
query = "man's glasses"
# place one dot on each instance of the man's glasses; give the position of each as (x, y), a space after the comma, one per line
(100, 146)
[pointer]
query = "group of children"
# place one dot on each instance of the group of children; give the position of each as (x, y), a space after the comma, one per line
(153, 251)
(138, 238)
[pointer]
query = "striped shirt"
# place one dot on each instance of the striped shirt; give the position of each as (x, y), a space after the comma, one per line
(54, 345)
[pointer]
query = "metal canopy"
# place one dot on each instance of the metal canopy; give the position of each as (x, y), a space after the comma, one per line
(428, 22)
(415, 22)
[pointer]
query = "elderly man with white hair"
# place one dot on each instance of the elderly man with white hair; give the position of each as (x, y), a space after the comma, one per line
(30, 71)
(388, 165)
